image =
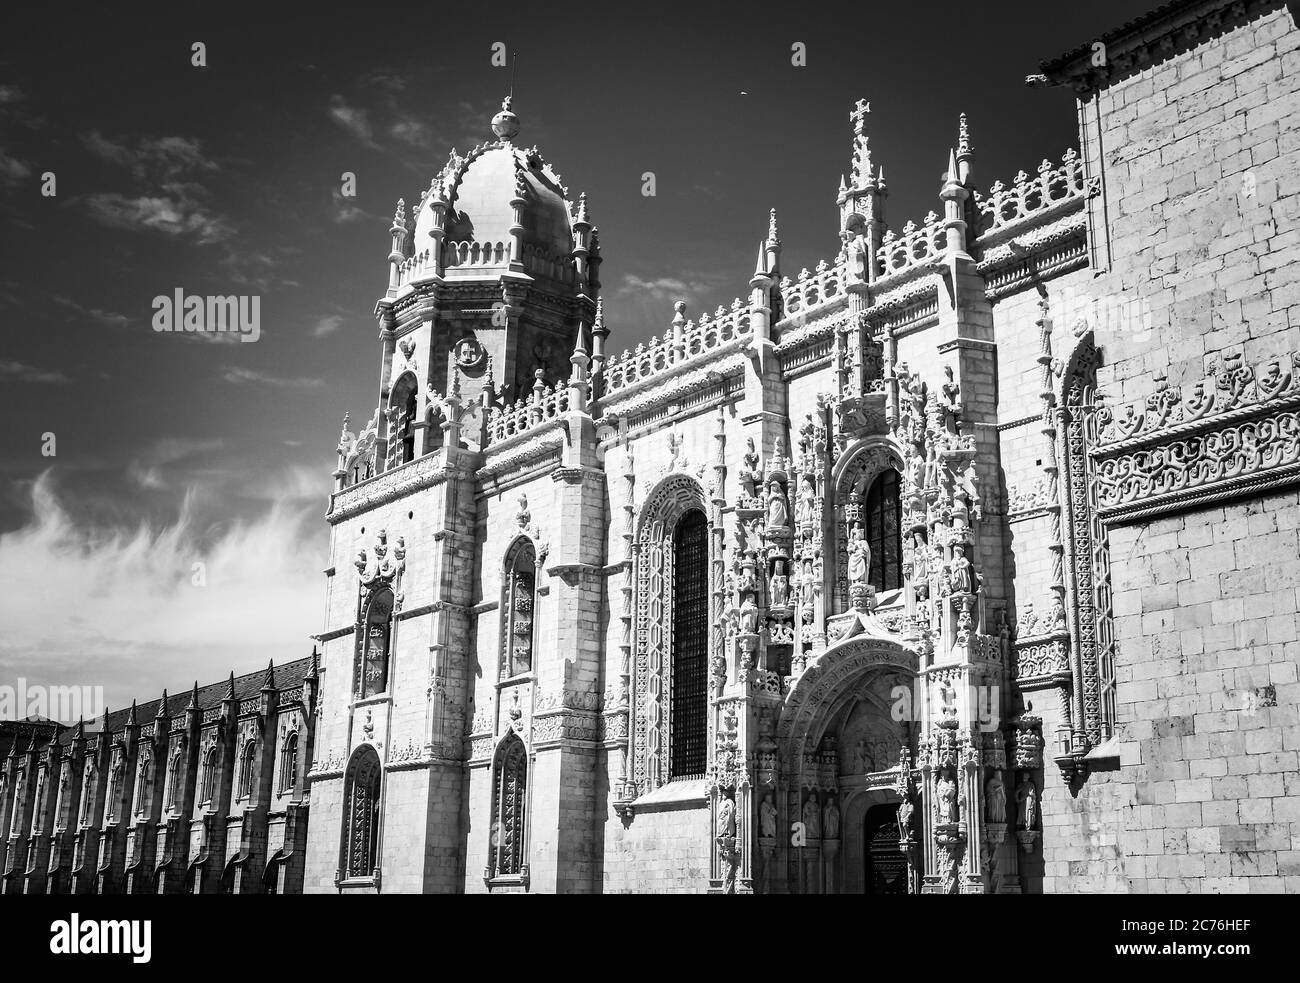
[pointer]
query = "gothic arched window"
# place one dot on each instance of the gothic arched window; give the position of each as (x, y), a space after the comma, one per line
(403, 404)
(20, 788)
(289, 764)
(884, 515)
(208, 784)
(87, 794)
(673, 635)
(520, 577)
(1088, 563)
(508, 808)
(375, 635)
(114, 792)
(174, 781)
(144, 787)
(690, 626)
(361, 814)
(246, 769)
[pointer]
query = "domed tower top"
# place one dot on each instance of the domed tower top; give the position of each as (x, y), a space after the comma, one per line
(505, 124)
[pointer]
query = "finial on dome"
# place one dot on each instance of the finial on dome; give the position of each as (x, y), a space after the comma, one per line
(505, 124)
(772, 238)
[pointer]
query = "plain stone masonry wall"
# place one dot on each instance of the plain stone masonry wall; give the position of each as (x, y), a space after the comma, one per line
(1201, 153)
(1207, 798)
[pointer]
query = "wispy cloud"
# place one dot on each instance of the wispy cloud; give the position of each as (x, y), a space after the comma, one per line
(347, 210)
(20, 372)
(353, 119)
(166, 602)
(240, 377)
(148, 470)
(12, 170)
(109, 319)
(169, 156)
(326, 325)
(176, 213)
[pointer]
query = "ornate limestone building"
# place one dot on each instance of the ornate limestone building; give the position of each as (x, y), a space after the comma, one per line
(964, 562)
(892, 575)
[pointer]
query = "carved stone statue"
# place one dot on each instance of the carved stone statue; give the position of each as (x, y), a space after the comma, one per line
(859, 556)
(780, 586)
(855, 256)
(726, 817)
(945, 790)
(920, 560)
(831, 820)
(812, 819)
(750, 473)
(1027, 799)
(963, 578)
(767, 817)
(778, 510)
(807, 509)
(995, 797)
(905, 819)
(749, 615)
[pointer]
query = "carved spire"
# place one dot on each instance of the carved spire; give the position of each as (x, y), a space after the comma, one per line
(194, 697)
(268, 681)
(130, 716)
(162, 707)
(314, 671)
(230, 687)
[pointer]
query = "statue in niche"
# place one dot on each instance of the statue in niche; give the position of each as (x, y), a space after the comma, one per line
(1027, 800)
(855, 256)
(812, 818)
(778, 510)
(995, 796)
(946, 799)
(780, 586)
(831, 820)
(951, 400)
(807, 510)
(767, 817)
(915, 473)
(726, 817)
(920, 563)
(963, 580)
(905, 819)
(748, 616)
(750, 474)
(859, 555)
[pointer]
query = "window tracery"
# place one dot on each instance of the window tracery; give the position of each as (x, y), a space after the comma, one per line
(509, 808)
(361, 814)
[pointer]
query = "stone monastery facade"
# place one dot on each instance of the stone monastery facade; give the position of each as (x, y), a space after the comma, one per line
(964, 562)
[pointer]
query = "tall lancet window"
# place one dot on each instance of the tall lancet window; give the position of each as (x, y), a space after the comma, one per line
(144, 787)
(401, 420)
(520, 577)
(375, 635)
(114, 792)
(690, 625)
(361, 814)
(1087, 548)
(246, 768)
(174, 781)
(884, 515)
(508, 808)
(289, 764)
(208, 783)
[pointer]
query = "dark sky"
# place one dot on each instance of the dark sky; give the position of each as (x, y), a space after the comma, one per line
(173, 450)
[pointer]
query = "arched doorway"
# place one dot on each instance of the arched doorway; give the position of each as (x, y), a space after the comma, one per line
(885, 866)
(843, 746)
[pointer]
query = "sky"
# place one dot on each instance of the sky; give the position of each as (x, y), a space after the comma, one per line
(162, 494)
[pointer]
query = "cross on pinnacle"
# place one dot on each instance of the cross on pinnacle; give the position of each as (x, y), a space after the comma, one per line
(859, 114)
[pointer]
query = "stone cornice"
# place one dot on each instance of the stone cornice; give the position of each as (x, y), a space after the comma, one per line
(1149, 40)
